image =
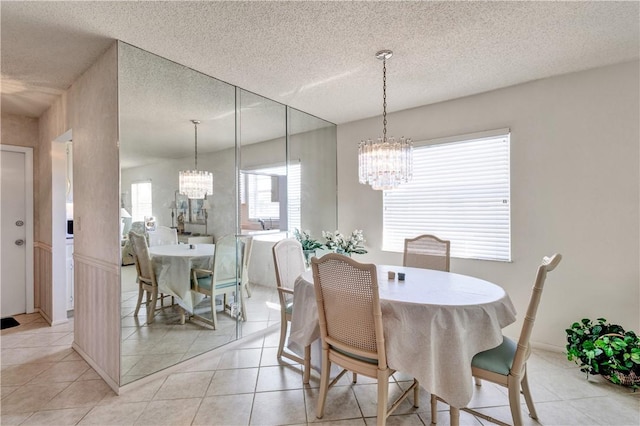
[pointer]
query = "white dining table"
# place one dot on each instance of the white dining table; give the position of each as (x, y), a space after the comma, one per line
(434, 323)
(172, 265)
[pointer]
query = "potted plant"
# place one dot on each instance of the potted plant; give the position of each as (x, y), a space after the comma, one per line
(605, 349)
(309, 244)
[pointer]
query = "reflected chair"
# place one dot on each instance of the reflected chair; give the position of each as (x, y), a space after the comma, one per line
(146, 276)
(350, 320)
(289, 264)
(225, 278)
(428, 252)
(162, 236)
(248, 241)
(506, 364)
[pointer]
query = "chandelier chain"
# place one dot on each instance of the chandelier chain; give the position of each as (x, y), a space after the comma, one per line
(384, 100)
(195, 124)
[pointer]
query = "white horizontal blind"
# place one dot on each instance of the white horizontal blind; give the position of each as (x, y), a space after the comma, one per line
(460, 192)
(294, 183)
(258, 193)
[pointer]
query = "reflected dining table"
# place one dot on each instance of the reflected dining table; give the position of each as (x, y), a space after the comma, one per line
(172, 265)
(434, 323)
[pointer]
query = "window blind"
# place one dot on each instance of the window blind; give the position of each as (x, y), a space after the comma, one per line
(460, 192)
(141, 201)
(259, 191)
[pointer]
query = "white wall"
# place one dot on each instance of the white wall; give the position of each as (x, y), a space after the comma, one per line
(575, 188)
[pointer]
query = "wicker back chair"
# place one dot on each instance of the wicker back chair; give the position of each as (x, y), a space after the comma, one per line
(506, 365)
(428, 252)
(288, 259)
(350, 320)
(146, 277)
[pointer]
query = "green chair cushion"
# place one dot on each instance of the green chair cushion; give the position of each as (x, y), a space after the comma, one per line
(358, 357)
(226, 284)
(499, 359)
(205, 282)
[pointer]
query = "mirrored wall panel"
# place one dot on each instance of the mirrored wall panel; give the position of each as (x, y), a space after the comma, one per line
(209, 257)
(159, 100)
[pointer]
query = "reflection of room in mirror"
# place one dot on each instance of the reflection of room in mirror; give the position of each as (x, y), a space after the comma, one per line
(157, 97)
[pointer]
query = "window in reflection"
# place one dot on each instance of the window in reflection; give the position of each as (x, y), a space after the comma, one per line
(141, 200)
(270, 198)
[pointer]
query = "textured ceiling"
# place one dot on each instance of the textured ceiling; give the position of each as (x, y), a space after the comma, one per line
(319, 56)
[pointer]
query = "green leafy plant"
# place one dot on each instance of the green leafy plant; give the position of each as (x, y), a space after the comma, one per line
(605, 349)
(307, 242)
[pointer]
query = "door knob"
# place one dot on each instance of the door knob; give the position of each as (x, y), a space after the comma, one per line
(19, 242)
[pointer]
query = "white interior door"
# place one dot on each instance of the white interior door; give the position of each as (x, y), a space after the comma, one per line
(14, 233)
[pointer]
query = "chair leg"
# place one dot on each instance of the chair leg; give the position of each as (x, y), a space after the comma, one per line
(324, 383)
(514, 400)
(527, 396)
(140, 294)
(214, 315)
(434, 409)
(355, 378)
(151, 307)
(454, 414)
(416, 395)
(478, 381)
(307, 365)
(283, 335)
(383, 397)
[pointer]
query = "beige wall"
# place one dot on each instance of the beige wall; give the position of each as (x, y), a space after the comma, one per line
(90, 109)
(575, 188)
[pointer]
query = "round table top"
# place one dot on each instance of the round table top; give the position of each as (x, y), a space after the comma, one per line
(431, 287)
(182, 250)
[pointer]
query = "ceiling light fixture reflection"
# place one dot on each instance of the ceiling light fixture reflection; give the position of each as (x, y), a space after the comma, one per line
(195, 184)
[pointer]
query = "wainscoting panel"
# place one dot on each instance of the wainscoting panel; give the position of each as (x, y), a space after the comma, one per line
(42, 292)
(97, 314)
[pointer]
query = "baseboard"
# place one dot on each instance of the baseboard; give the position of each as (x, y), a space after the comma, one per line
(547, 347)
(44, 316)
(113, 385)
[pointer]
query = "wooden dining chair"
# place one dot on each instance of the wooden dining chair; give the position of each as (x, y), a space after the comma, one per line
(224, 279)
(146, 276)
(506, 364)
(350, 319)
(289, 264)
(428, 252)
(163, 235)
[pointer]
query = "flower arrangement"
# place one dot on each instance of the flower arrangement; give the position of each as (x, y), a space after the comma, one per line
(307, 242)
(347, 245)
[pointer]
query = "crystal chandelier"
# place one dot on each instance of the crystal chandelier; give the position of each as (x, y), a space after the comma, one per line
(388, 162)
(195, 184)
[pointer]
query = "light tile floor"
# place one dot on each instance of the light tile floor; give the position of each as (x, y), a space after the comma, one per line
(45, 382)
(148, 348)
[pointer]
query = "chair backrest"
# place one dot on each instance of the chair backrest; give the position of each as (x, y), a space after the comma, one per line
(228, 259)
(141, 257)
(523, 350)
(162, 236)
(289, 262)
(349, 311)
(427, 251)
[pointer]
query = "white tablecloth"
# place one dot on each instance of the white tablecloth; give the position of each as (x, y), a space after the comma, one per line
(434, 323)
(172, 265)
